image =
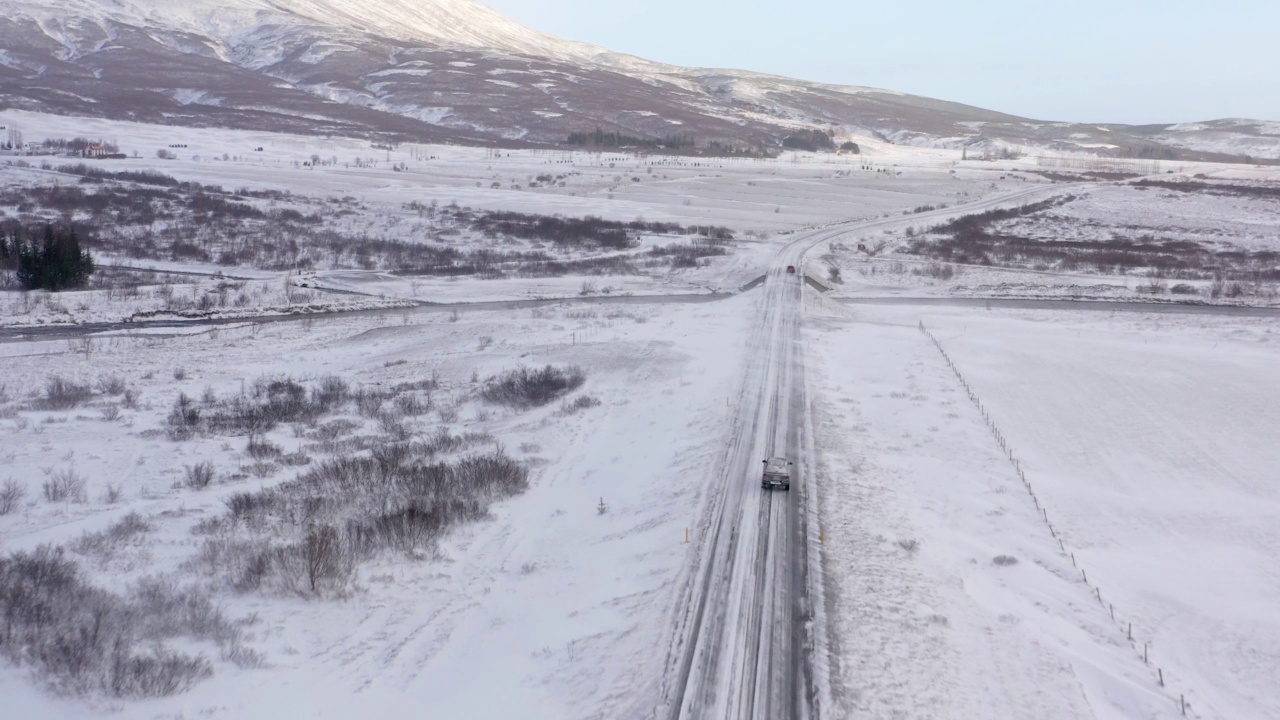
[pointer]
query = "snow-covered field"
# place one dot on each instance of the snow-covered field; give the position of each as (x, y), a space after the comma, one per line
(550, 600)
(1228, 228)
(1146, 439)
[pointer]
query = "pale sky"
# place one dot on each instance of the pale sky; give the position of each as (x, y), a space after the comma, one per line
(1130, 61)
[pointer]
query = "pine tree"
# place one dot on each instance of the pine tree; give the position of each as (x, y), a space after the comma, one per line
(55, 263)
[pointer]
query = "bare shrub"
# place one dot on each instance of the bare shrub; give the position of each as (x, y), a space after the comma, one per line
(261, 449)
(1004, 560)
(65, 484)
(937, 271)
(530, 388)
(306, 535)
(272, 401)
(104, 544)
(129, 399)
(184, 418)
(909, 545)
(295, 459)
(111, 385)
(113, 494)
(582, 402)
(334, 429)
(412, 405)
(330, 393)
(12, 493)
(111, 413)
(63, 394)
(369, 402)
(79, 638)
(392, 425)
(325, 558)
(200, 475)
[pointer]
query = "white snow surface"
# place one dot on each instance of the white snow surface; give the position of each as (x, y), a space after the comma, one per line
(1147, 439)
(1141, 438)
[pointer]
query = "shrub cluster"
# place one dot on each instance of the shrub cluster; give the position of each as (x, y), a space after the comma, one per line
(307, 535)
(63, 394)
(686, 255)
(81, 639)
(272, 400)
(972, 239)
(150, 215)
(525, 388)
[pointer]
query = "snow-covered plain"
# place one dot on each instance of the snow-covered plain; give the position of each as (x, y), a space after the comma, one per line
(550, 609)
(1146, 439)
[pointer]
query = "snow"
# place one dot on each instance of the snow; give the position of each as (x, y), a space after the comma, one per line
(551, 601)
(1146, 441)
(1141, 438)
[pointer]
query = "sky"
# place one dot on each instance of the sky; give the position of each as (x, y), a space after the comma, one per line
(1127, 61)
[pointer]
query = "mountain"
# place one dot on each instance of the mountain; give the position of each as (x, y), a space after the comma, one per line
(457, 71)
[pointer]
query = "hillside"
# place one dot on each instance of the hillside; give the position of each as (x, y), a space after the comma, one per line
(456, 71)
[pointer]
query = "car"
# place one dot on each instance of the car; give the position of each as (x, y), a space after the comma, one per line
(777, 473)
(791, 269)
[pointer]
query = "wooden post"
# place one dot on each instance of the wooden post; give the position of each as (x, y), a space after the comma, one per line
(1113, 611)
(1144, 652)
(1182, 700)
(1130, 632)
(1161, 671)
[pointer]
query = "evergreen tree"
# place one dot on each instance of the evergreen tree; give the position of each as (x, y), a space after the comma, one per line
(54, 263)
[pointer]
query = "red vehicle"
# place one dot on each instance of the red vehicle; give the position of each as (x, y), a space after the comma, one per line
(791, 269)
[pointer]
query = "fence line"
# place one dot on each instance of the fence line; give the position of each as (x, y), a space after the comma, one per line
(1043, 512)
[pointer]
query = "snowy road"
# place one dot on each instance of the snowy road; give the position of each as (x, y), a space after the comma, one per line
(744, 643)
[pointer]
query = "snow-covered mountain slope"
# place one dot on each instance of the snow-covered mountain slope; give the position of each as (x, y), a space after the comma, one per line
(456, 71)
(462, 23)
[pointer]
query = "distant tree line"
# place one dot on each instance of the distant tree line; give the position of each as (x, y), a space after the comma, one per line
(52, 261)
(77, 144)
(811, 140)
(587, 231)
(683, 144)
(614, 139)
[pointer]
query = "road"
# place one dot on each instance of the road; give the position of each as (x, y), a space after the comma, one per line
(1166, 308)
(54, 332)
(742, 648)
